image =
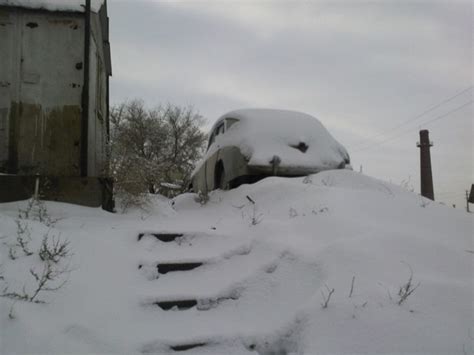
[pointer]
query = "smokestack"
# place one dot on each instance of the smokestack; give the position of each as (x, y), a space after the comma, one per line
(426, 176)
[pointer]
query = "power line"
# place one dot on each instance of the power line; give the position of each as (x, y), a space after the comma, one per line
(446, 195)
(412, 119)
(442, 116)
(410, 129)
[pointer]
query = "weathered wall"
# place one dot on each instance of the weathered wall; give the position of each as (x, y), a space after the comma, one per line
(8, 78)
(41, 77)
(86, 191)
(97, 101)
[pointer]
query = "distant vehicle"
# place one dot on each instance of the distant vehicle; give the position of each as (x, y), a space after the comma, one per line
(250, 144)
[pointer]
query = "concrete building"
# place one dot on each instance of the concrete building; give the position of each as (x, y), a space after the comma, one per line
(55, 66)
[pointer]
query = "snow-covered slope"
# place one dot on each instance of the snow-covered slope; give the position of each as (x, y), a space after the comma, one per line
(259, 274)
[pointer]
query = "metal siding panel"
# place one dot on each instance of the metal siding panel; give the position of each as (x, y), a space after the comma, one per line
(50, 93)
(6, 36)
(9, 71)
(97, 101)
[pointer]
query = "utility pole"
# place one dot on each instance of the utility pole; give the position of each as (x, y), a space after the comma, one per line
(426, 176)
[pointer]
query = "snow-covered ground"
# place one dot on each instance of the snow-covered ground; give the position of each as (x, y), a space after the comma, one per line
(264, 268)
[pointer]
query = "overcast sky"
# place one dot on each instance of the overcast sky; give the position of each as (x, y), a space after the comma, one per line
(367, 70)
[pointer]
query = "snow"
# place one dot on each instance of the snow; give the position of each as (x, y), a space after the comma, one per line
(263, 133)
(54, 5)
(259, 289)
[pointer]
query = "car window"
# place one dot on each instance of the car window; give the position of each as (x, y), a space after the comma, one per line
(220, 129)
(211, 140)
(229, 122)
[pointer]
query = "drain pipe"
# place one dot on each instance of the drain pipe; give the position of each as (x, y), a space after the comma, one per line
(85, 91)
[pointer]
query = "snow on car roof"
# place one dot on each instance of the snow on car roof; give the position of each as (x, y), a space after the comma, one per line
(54, 5)
(261, 134)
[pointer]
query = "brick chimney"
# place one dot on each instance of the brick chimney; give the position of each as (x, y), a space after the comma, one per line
(426, 176)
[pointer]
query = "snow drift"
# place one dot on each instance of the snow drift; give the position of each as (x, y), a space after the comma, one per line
(267, 268)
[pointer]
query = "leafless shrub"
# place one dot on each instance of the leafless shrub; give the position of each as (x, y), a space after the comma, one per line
(53, 253)
(54, 249)
(407, 289)
(23, 296)
(36, 210)
(326, 296)
(255, 218)
(352, 286)
(23, 237)
(48, 280)
(49, 275)
(11, 315)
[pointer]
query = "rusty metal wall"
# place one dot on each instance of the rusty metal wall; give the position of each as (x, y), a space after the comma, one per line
(41, 78)
(86, 191)
(97, 101)
(8, 78)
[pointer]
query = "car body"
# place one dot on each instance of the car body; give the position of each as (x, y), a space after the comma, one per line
(249, 144)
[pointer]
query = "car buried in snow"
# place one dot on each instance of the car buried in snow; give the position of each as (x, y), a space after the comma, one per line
(250, 144)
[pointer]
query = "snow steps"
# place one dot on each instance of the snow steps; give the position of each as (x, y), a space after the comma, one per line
(185, 347)
(164, 268)
(177, 304)
(172, 267)
(201, 284)
(164, 237)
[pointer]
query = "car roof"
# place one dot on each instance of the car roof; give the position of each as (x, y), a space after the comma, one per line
(251, 114)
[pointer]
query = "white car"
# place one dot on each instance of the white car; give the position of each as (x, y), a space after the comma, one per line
(250, 144)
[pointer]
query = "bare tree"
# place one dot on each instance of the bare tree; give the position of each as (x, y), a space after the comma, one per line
(185, 142)
(149, 147)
